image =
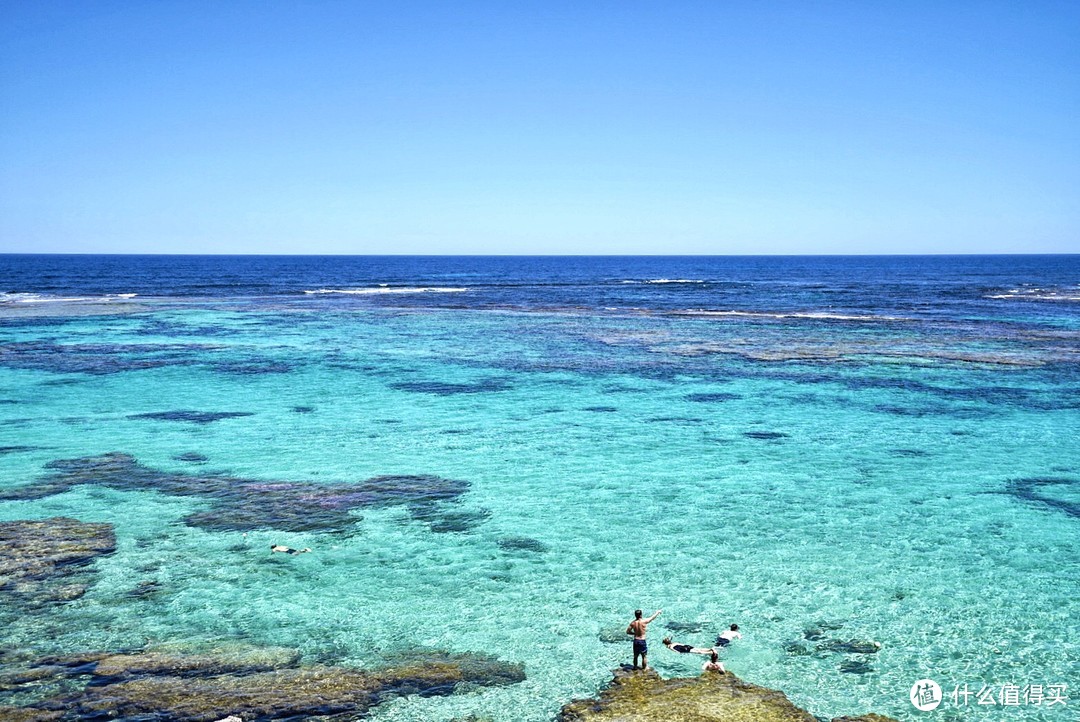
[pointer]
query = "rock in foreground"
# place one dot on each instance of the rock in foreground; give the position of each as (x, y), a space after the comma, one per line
(635, 696)
(255, 684)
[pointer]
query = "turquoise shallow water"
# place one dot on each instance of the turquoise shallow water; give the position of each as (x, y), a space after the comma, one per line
(695, 464)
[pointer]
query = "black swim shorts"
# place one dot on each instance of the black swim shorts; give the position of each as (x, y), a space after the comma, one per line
(640, 646)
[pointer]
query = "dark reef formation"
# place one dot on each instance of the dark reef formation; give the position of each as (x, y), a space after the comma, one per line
(441, 388)
(238, 504)
(1030, 490)
(253, 684)
(45, 561)
(194, 417)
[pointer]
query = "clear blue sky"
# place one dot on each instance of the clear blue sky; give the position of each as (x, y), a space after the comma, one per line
(539, 127)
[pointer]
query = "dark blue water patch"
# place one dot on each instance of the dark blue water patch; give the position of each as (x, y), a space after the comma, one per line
(192, 457)
(522, 543)
(5, 450)
(161, 327)
(1029, 490)
(601, 409)
(455, 432)
(910, 453)
(924, 410)
(70, 381)
(766, 435)
(448, 520)
(856, 666)
(238, 504)
(442, 388)
(9, 402)
(252, 368)
(192, 417)
(93, 358)
(303, 409)
(712, 397)
(674, 420)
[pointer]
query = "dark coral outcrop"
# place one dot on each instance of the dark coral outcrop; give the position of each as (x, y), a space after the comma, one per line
(45, 560)
(253, 684)
(238, 504)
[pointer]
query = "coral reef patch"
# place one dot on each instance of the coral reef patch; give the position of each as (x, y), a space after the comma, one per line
(238, 504)
(194, 417)
(257, 683)
(45, 561)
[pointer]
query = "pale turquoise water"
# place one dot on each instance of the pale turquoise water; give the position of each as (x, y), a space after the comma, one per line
(881, 509)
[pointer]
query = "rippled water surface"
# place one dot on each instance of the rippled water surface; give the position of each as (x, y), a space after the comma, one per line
(510, 455)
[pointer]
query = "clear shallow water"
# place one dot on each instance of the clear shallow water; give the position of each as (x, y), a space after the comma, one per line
(777, 442)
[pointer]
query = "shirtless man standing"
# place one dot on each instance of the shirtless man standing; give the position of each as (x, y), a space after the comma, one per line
(638, 629)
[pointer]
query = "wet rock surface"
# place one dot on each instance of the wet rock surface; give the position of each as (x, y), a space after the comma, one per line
(238, 504)
(643, 696)
(253, 684)
(45, 561)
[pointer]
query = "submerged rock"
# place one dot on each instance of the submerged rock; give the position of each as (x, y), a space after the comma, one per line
(44, 561)
(254, 684)
(643, 696)
(613, 635)
(684, 627)
(195, 417)
(522, 543)
(856, 666)
(442, 388)
(192, 457)
(1028, 490)
(712, 398)
(765, 435)
(238, 504)
(851, 646)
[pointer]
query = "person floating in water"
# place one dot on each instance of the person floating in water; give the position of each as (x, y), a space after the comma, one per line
(638, 629)
(287, 550)
(714, 664)
(686, 648)
(727, 636)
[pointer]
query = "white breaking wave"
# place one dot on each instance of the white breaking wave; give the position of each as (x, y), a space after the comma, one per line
(12, 298)
(1040, 294)
(385, 289)
(668, 280)
(820, 315)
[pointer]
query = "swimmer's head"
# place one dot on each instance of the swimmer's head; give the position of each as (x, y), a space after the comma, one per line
(667, 640)
(734, 627)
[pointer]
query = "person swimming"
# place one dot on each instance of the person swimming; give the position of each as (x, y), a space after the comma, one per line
(686, 648)
(281, 548)
(727, 636)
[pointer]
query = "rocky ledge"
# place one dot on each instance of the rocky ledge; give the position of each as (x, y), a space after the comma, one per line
(644, 696)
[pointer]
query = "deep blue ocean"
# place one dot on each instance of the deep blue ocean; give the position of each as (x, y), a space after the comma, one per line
(824, 450)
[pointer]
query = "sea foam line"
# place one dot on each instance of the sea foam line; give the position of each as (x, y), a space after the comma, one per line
(11, 298)
(385, 289)
(819, 315)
